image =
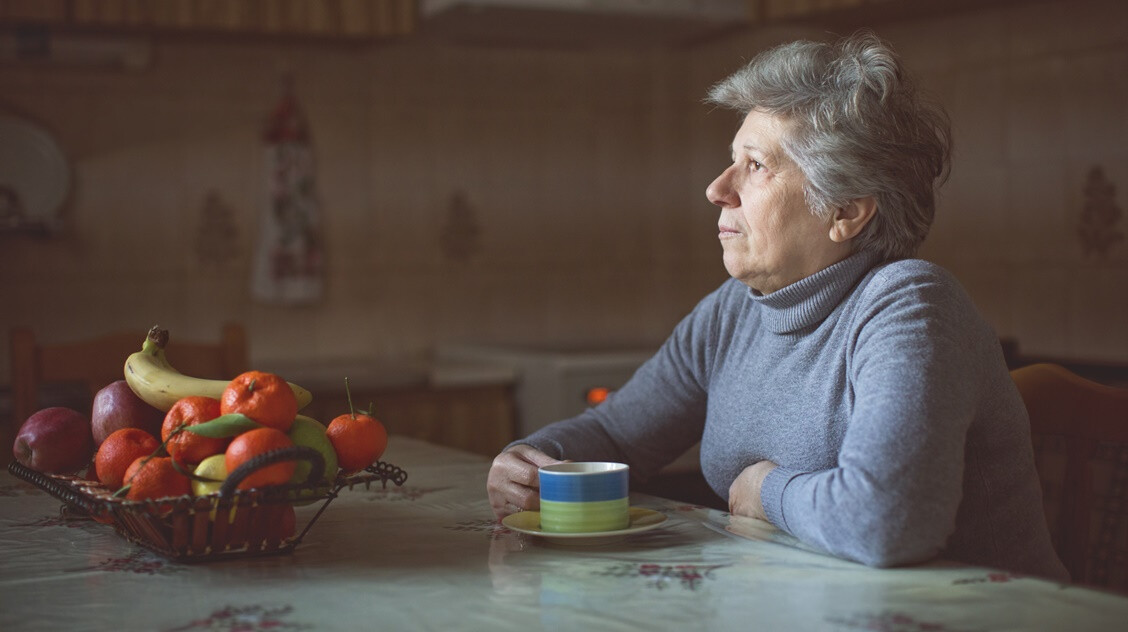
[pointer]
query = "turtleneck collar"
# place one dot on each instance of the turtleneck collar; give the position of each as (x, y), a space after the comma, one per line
(810, 300)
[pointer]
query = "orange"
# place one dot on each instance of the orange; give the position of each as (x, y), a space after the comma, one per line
(597, 395)
(118, 451)
(155, 478)
(188, 448)
(253, 443)
(358, 439)
(264, 397)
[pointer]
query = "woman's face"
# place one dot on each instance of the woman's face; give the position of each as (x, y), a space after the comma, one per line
(769, 236)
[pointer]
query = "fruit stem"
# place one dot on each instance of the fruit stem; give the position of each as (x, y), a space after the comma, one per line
(348, 394)
(157, 336)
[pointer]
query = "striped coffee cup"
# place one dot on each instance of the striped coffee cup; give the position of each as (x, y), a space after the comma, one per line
(585, 497)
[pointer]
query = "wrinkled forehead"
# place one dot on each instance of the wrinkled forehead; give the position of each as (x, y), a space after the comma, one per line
(764, 132)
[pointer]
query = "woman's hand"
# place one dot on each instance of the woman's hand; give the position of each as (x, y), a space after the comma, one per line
(744, 493)
(513, 484)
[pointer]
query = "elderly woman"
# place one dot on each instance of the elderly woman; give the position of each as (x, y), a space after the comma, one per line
(842, 390)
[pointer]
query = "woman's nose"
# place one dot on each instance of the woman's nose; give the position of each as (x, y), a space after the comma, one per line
(720, 191)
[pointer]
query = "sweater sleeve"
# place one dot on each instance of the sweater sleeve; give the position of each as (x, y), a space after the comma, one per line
(657, 415)
(916, 357)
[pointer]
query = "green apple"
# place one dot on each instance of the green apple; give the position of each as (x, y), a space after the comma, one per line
(309, 432)
(213, 467)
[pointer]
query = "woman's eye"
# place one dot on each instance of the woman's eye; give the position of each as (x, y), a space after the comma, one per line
(755, 165)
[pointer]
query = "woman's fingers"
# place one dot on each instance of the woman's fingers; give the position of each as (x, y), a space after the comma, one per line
(513, 484)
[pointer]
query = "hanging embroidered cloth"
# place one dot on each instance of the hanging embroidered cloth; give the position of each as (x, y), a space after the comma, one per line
(289, 261)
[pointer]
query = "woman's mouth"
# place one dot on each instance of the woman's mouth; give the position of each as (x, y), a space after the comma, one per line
(726, 231)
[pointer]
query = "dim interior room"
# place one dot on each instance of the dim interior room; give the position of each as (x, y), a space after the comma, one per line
(500, 194)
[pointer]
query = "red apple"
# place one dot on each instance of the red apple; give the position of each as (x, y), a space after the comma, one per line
(55, 440)
(116, 406)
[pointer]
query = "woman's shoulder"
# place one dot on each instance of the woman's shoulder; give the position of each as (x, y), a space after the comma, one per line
(913, 275)
(906, 269)
(915, 286)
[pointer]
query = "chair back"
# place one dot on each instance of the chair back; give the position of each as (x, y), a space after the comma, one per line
(88, 365)
(1080, 436)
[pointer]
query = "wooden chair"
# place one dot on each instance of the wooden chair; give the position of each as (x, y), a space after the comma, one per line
(1080, 433)
(88, 365)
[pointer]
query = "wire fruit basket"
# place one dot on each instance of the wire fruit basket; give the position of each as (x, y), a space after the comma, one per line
(230, 523)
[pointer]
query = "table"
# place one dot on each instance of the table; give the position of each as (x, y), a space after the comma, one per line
(430, 556)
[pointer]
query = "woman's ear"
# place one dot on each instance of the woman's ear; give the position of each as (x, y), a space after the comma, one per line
(849, 220)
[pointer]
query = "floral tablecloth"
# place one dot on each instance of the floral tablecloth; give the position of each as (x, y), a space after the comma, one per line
(430, 556)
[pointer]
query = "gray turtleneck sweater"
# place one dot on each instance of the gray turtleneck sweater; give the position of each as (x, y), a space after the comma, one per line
(878, 390)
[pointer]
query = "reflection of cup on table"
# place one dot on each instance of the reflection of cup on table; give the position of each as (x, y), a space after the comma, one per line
(586, 497)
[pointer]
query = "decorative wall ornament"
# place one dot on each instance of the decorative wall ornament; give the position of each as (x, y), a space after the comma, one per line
(35, 177)
(289, 263)
(461, 233)
(1099, 216)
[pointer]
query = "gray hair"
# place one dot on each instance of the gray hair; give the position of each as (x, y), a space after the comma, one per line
(859, 128)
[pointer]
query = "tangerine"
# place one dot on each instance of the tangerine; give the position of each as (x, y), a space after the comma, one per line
(358, 439)
(155, 477)
(253, 443)
(264, 397)
(186, 447)
(118, 451)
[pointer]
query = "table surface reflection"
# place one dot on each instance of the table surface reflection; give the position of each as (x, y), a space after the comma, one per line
(430, 556)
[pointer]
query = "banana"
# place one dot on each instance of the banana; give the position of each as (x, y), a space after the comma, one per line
(159, 384)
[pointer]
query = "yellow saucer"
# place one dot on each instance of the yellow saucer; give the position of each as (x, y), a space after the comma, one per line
(528, 522)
